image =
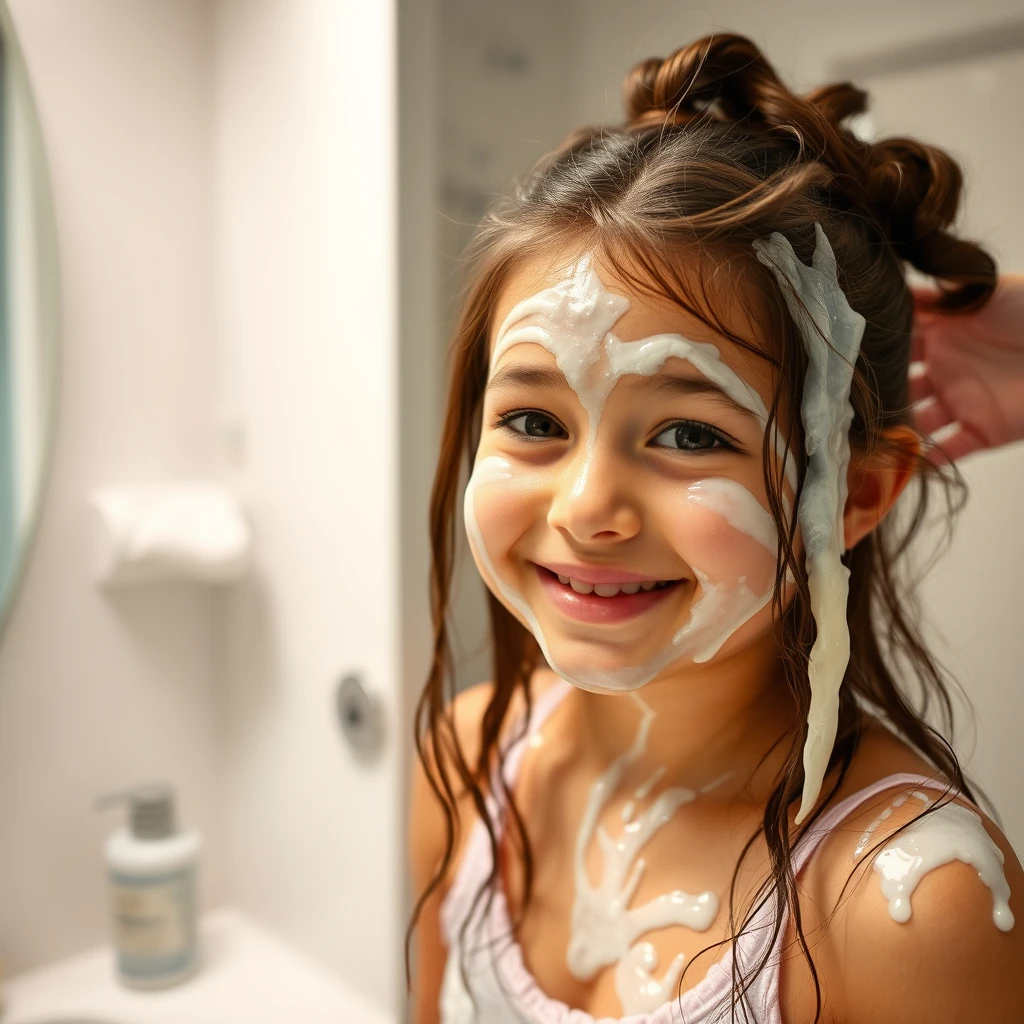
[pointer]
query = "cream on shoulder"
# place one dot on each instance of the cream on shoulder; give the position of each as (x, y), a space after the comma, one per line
(942, 834)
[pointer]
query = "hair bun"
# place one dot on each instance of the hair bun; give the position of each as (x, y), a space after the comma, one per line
(727, 78)
(910, 189)
(722, 72)
(916, 192)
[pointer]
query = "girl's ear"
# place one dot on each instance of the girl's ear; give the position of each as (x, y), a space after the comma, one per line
(875, 481)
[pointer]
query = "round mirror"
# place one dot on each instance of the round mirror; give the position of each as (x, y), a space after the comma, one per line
(28, 315)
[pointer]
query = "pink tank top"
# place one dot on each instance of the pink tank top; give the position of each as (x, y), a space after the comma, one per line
(492, 967)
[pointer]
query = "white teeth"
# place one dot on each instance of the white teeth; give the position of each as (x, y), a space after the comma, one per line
(610, 589)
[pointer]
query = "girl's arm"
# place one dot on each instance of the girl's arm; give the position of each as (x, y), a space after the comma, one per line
(426, 847)
(426, 850)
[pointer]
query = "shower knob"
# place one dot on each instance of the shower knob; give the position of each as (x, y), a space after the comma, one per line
(360, 716)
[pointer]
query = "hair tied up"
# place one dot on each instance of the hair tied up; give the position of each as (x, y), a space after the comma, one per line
(912, 191)
(726, 78)
(916, 191)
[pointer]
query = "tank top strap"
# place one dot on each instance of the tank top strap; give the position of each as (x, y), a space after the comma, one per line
(541, 710)
(834, 816)
(476, 861)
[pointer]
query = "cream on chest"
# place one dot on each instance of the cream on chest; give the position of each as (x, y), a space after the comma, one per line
(686, 845)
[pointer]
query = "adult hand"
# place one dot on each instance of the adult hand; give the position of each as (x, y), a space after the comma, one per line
(967, 372)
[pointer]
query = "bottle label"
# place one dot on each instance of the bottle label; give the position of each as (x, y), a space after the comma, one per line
(154, 923)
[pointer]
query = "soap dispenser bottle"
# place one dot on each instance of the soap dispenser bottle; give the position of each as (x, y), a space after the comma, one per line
(153, 872)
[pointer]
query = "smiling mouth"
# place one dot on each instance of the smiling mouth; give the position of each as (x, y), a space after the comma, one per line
(608, 590)
(603, 602)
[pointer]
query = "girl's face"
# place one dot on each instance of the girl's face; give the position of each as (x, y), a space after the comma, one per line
(618, 506)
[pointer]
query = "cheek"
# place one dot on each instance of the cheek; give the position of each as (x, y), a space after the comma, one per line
(725, 548)
(505, 509)
(499, 513)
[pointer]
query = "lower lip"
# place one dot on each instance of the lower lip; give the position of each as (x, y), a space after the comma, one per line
(592, 608)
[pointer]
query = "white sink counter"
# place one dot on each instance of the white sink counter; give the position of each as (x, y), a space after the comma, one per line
(247, 976)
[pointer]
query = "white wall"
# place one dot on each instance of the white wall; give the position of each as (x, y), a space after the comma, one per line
(97, 693)
(803, 38)
(224, 179)
(306, 274)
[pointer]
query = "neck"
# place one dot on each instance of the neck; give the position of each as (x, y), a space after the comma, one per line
(716, 721)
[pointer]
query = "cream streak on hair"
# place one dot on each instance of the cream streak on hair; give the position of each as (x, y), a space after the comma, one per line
(831, 331)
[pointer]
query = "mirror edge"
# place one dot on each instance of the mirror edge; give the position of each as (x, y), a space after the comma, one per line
(49, 314)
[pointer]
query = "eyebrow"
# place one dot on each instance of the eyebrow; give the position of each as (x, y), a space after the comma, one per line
(512, 375)
(674, 384)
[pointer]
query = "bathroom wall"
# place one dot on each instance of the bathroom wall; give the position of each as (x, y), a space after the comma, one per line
(225, 188)
(306, 268)
(98, 692)
(804, 39)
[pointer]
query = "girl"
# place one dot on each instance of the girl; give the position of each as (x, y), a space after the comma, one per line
(694, 789)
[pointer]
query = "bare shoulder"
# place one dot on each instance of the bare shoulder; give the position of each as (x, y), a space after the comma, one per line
(428, 823)
(433, 834)
(428, 828)
(900, 940)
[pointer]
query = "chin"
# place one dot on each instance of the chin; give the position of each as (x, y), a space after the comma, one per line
(603, 668)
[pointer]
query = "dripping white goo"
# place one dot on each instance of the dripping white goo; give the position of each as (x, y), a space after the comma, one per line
(604, 927)
(866, 835)
(948, 833)
(638, 989)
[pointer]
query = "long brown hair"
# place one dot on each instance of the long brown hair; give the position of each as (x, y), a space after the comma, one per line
(715, 153)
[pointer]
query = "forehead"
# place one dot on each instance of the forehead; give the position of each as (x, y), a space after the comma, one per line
(650, 311)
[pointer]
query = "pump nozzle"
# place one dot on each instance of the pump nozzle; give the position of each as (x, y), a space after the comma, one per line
(151, 809)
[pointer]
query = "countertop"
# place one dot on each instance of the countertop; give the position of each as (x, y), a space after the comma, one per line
(247, 976)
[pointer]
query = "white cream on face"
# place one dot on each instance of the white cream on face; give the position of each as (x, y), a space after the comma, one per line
(831, 333)
(573, 321)
(723, 606)
(947, 833)
(604, 926)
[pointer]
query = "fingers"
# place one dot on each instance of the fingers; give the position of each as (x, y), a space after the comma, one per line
(930, 415)
(917, 348)
(946, 439)
(925, 298)
(924, 294)
(952, 442)
(921, 330)
(920, 383)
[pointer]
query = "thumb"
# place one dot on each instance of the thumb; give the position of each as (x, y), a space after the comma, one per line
(925, 298)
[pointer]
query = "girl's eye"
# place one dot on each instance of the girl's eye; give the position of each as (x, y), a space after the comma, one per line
(690, 436)
(532, 424)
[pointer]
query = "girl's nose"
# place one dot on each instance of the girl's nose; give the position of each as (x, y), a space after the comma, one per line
(593, 502)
